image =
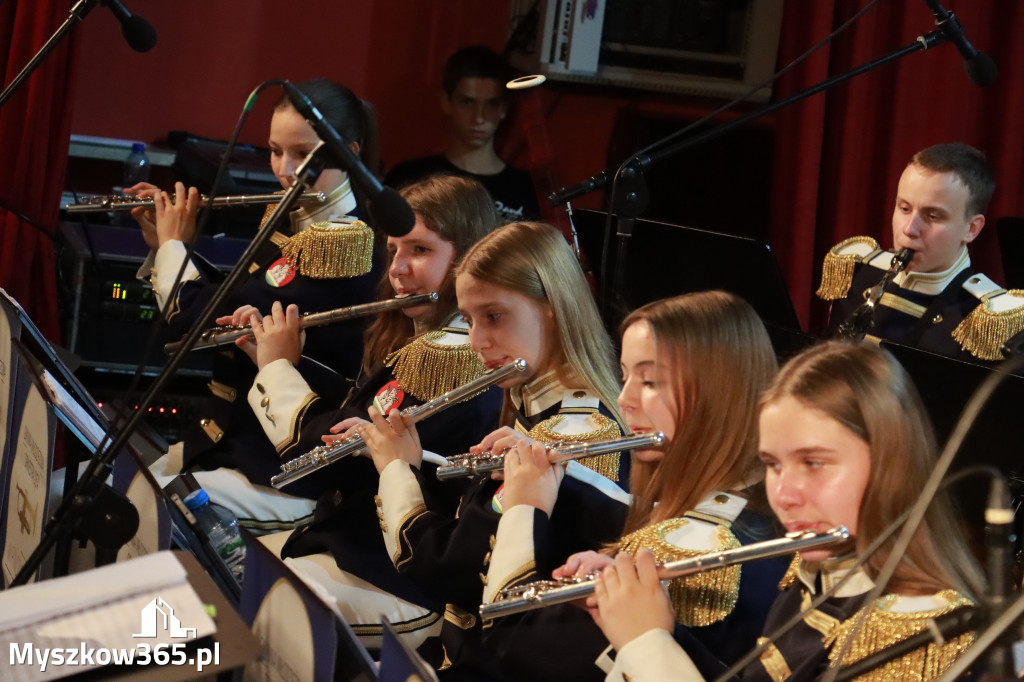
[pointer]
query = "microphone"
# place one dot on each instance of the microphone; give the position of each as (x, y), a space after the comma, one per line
(999, 541)
(389, 210)
(979, 66)
(139, 33)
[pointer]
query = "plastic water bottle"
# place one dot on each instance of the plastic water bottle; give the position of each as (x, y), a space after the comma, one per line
(136, 165)
(221, 528)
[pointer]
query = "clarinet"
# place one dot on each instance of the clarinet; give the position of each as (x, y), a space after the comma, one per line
(228, 334)
(471, 465)
(862, 319)
(323, 455)
(543, 593)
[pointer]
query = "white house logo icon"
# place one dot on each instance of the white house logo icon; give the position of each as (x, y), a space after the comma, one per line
(151, 620)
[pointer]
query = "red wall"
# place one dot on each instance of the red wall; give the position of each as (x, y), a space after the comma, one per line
(210, 55)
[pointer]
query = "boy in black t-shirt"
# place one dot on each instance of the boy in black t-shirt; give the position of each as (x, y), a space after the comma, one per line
(475, 103)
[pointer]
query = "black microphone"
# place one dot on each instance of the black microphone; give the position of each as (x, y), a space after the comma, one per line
(999, 543)
(139, 33)
(979, 66)
(389, 210)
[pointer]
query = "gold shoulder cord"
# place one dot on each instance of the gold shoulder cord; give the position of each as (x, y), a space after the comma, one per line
(427, 369)
(837, 271)
(606, 465)
(885, 627)
(329, 250)
(790, 576)
(983, 332)
(700, 599)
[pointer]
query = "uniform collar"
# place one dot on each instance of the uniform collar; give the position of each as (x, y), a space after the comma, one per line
(339, 203)
(933, 283)
(539, 394)
(831, 571)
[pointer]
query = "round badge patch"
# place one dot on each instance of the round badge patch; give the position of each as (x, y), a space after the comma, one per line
(389, 397)
(280, 273)
(496, 500)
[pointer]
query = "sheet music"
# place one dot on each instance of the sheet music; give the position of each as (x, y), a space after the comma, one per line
(145, 601)
(29, 484)
(73, 413)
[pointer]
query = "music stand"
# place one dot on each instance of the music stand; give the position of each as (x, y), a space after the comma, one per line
(666, 260)
(945, 384)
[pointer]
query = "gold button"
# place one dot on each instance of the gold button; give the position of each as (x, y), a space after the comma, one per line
(265, 401)
(487, 558)
(974, 280)
(492, 542)
(376, 499)
(937, 318)
(259, 387)
(384, 526)
(483, 578)
(579, 394)
(721, 498)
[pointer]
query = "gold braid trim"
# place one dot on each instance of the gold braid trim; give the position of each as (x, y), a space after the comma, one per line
(884, 628)
(329, 250)
(427, 369)
(837, 271)
(700, 599)
(983, 332)
(790, 576)
(774, 664)
(606, 465)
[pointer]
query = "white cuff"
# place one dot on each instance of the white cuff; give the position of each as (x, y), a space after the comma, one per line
(145, 270)
(398, 496)
(166, 264)
(655, 656)
(276, 397)
(513, 549)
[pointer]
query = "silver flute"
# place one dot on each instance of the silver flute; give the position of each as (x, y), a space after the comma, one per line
(543, 593)
(471, 465)
(228, 334)
(101, 203)
(323, 455)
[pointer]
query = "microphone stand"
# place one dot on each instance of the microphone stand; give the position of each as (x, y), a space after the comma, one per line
(85, 496)
(629, 193)
(986, 639)
(78, 13)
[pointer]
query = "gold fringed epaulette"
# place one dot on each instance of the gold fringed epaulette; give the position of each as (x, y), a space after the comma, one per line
(790, 575)
(885, 627)
(837, 271)
(605, 429)
(984, 331)
(699, 599)
(427, 369)
(329, 250)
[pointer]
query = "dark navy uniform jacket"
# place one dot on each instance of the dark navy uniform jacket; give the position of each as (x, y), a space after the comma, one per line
(227, 433)
(449, 557)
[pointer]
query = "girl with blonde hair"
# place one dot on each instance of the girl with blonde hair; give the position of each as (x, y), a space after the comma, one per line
(524, 296)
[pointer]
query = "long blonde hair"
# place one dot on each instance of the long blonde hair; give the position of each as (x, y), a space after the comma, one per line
(720, 360)
(866, 390)
(460, 211)
(534, 260)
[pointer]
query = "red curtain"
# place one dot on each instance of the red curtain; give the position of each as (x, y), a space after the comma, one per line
(34, 133)
(840, 154)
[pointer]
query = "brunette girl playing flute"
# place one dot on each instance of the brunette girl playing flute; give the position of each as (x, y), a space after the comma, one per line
(411, 356)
